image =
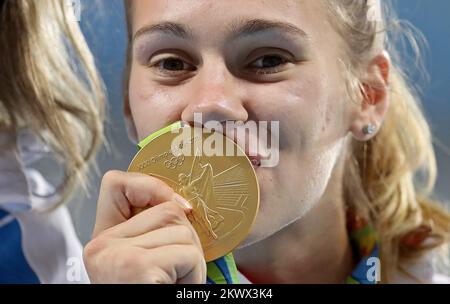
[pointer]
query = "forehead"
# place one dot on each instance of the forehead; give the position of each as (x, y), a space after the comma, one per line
(212, 16)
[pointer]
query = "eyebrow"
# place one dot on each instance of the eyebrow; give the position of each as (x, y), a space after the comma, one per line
(253, 26)
(238, 29)
(171, 28)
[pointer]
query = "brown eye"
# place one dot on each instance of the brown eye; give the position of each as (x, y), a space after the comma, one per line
(171, 67)
(268, 64)
(172, 64)
(270, 61)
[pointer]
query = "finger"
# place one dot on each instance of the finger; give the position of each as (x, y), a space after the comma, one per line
(196, 276)
(121, 191)
(160, 216)
(176, 197)
(169, 235)
(180, 263)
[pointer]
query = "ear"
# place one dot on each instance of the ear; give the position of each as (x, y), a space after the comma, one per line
(375, 103)
(129, 121)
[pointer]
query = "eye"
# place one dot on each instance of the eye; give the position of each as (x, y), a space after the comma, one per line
(268, 64)
(171, 66)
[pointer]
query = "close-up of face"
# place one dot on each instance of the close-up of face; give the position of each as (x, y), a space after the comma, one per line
(248, 61)
(224, 142)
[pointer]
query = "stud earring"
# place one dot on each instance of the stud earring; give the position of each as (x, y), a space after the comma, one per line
(369, 129)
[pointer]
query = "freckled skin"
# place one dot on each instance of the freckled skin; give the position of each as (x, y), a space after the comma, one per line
(308, 98)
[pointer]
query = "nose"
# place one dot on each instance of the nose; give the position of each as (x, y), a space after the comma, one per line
(215, 94)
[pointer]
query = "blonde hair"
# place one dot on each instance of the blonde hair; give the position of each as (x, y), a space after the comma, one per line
(49, 83)
(390, 178)
(382, 178)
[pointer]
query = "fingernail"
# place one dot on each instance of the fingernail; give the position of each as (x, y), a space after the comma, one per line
(182, 201)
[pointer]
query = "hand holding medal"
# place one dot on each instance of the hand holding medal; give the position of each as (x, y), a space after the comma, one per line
(143, 235)
(222, 189)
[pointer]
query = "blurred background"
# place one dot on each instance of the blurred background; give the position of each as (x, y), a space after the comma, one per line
(103, 23)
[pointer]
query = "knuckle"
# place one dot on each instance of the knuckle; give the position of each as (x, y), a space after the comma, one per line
(173, 213)
(89, 251)
(157, 276)
(105, 236)
(134, 197)
(200, 256)
(184, 233)
(94, 247)
(93, 253)
(193, 255)
(111, 177)
(158, 183)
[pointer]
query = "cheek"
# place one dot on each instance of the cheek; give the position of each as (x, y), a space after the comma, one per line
(303, 179)
(297, 104)
(151, 106)
(305, 112)
(315, 131)
(312, 136)
(315, 110)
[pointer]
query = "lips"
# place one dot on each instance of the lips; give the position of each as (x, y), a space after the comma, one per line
(254, 154)
(255, 160)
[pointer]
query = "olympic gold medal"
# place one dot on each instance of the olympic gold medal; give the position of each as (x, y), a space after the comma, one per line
(221, 187)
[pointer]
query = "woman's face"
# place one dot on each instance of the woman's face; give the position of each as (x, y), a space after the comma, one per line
(260, 60)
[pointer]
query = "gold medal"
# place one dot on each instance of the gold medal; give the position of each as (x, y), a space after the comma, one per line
(223, 190)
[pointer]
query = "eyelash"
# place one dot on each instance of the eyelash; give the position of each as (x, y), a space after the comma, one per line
(158, 66)
(259, 71)
(270, 70)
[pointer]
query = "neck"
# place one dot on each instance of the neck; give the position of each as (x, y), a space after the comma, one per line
(314, 249)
